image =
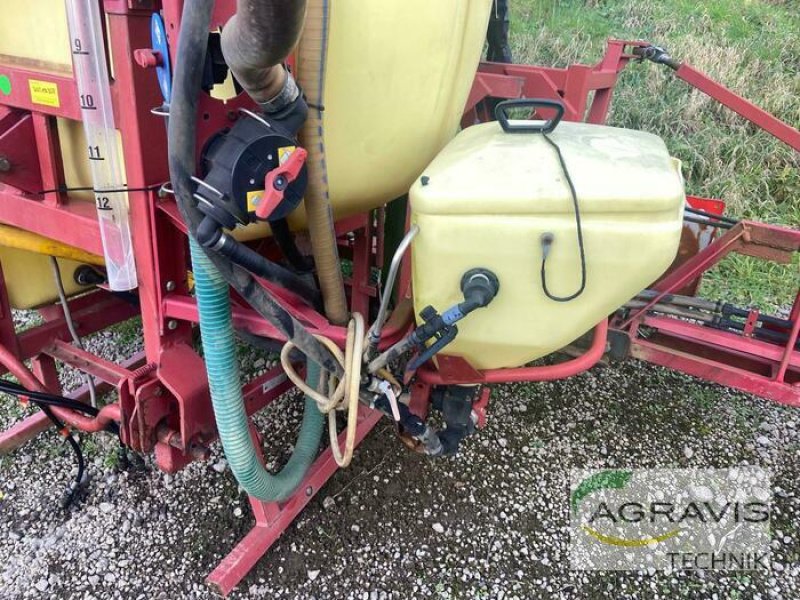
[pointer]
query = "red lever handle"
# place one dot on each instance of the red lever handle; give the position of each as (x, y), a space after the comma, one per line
(277, 180)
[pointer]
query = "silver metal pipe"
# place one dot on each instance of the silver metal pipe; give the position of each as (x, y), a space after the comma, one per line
(679, 300)
(675, 311)
(374, 333)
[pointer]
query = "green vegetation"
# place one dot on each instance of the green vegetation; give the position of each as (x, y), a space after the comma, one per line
(751, 46)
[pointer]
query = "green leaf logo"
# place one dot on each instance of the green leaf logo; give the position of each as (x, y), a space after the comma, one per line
(610, 479)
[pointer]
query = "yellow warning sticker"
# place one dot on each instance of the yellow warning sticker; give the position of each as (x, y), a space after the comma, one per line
(44, 92)
(253, 198)
(284, 153)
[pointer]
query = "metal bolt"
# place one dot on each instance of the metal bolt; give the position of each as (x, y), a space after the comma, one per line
(5, 165)
(172, 324)
(309, 491)
(170, 286)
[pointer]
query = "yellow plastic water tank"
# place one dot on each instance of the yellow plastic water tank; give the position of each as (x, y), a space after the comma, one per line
(31, 277)
(398, 74)
(397, 78)
(488, 198)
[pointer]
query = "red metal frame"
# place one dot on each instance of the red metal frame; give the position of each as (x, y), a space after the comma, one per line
(767, 369)
(162, 405)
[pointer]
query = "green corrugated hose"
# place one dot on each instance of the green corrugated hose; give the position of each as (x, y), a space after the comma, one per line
(219, 346)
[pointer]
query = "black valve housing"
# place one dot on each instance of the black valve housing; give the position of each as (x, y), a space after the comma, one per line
(234, 165)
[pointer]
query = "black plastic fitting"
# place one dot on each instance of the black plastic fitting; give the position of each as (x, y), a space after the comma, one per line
(479, 287)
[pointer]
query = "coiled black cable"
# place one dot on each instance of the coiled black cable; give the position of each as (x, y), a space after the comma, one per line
(548, 238)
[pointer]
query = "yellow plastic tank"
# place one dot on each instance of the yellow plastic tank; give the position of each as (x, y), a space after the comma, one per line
(397, 78)
(398, 74)
(488, 198)
(31, 277)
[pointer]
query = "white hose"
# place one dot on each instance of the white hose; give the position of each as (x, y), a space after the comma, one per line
(73, 332)
(341, 394)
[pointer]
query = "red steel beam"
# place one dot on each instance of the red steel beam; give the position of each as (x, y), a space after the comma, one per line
(185, 308)
(717, 372)
(273, 518)
(73, 223)
(726, 340)
(104, 370)
(758, 116)
(91, 313)
(522, 374)
(28, 428)
(42, 91)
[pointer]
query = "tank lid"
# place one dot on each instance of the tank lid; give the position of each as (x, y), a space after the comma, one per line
(487, 171)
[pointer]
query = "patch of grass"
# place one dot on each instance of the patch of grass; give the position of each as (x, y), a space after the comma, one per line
(128, 332)
(750, 47)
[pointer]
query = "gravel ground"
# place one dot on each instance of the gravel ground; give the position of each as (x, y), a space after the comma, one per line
(492, 522)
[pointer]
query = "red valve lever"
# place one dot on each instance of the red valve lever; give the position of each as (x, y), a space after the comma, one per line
(277, 180)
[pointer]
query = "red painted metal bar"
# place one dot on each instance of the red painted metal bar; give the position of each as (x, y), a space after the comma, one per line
(265, 389)
(108, 414)
(185, 308)
(273, 518)
(91, 313)
(716, 371)
(57, 89)
(23, 431)
(8, 334)
(758, 116)
(768, 369)
(97, 367)
(717, 338)
(523, 374)
(29, 427)
(790, 352)
(690, 270)
(73, 223)
(573, 86)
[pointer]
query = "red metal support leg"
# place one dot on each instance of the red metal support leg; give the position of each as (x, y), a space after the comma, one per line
(273, 518)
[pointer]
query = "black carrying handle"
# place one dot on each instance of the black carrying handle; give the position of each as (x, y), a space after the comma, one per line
(501, 114)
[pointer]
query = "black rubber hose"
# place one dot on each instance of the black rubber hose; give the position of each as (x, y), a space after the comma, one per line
(210, 235)
(702, 213)
(261, 267)
(15, 389)
(285, 240)
(189, 65)
(69, 496)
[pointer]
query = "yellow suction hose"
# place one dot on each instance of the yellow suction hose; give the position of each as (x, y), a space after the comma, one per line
(311, 59)
(11, 237)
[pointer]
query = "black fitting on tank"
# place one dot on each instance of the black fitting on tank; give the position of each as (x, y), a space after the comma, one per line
(88, 275)
(236, 162)
(479, 286)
